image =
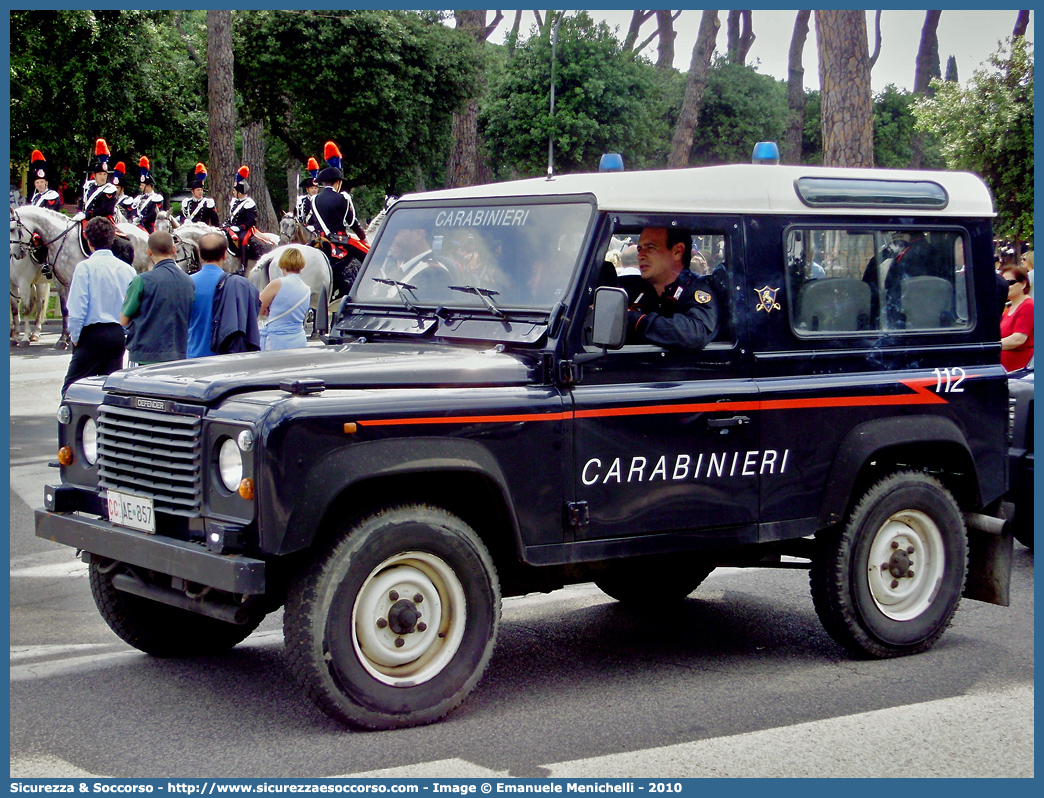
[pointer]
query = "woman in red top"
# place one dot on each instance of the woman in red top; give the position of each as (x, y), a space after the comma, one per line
(1016, 327)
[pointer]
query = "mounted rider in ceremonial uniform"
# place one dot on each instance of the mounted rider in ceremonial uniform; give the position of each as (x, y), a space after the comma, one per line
(124, 202)
(149, 201)
(332, 214)
(199, 208)
(242, 217)
(44, 197)
(99, 195)
(311, 188)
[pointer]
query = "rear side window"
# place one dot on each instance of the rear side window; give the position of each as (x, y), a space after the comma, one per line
(862, 281)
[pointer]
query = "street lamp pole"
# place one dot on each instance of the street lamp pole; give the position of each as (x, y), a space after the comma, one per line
(551, 132)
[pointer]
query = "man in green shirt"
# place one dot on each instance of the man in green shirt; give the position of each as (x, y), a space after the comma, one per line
(157, 307)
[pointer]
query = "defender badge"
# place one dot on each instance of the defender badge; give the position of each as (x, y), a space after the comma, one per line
(768, 299)
(702, 297)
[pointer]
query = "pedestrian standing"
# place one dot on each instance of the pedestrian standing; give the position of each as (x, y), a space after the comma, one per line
(158, 306)
(212, 252)
(96, 294)
(284, 303)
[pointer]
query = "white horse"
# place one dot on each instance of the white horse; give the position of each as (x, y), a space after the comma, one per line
(316, 273)
(259, 244)
(167, 222)
(30, 290)
(58, 235)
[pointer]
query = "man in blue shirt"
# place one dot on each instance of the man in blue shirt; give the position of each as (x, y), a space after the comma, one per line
(96, 294)
(212, 250)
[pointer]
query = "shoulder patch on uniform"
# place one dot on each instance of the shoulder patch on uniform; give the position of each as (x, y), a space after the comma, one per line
(109, 188)
(249, 203)
(703, 297)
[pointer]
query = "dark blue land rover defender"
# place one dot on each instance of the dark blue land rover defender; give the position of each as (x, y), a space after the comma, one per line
(480, 426)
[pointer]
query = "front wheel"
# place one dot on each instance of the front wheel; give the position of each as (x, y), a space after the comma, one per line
(395, 624)
(160, 629)
(889, 582)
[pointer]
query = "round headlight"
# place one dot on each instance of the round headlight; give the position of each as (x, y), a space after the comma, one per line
(64, 414)
(245, 439)
(230, 464)
(89, 441)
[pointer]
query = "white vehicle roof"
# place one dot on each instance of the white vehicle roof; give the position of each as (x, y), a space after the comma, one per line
(739, 188)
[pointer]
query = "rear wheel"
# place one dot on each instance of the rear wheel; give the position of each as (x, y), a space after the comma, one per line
(395, 625)
(889, 582)
(160, 629)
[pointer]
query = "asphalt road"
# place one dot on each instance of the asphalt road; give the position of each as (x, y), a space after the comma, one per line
(739, 681)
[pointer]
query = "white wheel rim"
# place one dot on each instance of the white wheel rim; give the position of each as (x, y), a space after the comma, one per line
(906, 564)
(403, 658)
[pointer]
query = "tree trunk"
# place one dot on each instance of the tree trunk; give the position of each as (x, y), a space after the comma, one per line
(665, 30)
(927, 62)
(463, 157)
(877, 39)
(512, 38)
(740, 39)
(254, 156)
(1021, 23)
(796, 91)
(464, 154)
(222, 108)
(681, 145)
(638, 18)
(844, 79)
(294, 175)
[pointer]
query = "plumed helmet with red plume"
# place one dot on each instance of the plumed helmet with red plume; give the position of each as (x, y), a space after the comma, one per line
(242, 186)
(332, 155)
(199, 176)
(332, 173)
(146, 176)
(101, 157)
(37, 166)
(118, 172)
(313, 167)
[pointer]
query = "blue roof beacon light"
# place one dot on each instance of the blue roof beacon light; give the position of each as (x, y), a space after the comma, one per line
(611, 162)
(765, 152)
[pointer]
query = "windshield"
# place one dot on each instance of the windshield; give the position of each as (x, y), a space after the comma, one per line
(476, 256)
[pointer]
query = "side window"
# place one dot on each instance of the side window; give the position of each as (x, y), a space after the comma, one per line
(859, 281)
(708, 258)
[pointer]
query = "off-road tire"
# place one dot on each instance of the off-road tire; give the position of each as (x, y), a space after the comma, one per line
(346, 644)
(880, 613)
(160, 629)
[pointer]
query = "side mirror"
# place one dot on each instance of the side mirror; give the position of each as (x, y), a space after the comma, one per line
(610, 317)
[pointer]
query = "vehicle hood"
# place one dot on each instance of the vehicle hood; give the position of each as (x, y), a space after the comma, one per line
(370, 365)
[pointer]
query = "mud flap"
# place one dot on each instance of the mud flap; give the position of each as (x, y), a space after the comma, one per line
(989, 562)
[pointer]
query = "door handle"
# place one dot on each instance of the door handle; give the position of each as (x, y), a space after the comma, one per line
(735, 421)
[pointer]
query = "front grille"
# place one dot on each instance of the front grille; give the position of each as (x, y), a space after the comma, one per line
(152, 454)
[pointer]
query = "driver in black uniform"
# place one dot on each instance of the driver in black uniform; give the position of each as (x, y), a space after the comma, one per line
(670, 306)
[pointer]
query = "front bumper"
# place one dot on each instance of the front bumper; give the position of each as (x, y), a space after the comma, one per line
(233, 573)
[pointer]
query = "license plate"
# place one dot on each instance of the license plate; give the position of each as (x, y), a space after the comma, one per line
(133, 511)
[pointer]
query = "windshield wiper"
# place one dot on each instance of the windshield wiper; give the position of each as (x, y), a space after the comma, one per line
(482, 293)
(398, 291)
